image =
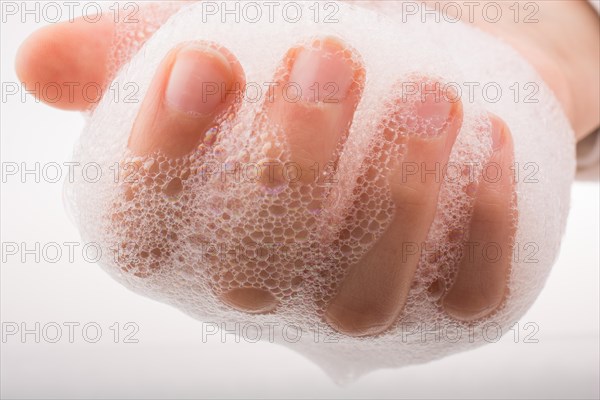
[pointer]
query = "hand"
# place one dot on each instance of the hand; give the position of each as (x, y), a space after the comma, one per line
(372, 294)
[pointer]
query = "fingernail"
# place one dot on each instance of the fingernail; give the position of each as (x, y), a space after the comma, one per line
(434, 109)
(323, 75)
(198, 82)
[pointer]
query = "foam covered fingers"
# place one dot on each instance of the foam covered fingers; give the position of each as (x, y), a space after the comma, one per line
(481, 281)
(422, 126)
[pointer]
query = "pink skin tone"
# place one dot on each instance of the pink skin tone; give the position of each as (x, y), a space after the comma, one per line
(178, 111)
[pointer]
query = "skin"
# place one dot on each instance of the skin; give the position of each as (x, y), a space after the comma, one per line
(374, 291)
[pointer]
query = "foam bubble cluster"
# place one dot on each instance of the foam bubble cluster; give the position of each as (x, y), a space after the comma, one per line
(187, 230)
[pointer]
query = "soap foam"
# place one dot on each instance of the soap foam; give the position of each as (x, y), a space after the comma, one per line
(186, 233)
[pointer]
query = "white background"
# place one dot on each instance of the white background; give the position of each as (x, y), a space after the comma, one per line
(171, 359)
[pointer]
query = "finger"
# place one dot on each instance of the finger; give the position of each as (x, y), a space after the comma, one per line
(481, 280)
(56, 61)
(314, 118)
(374, 292)
(66, 65)
(314, 103)
(193, 86)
